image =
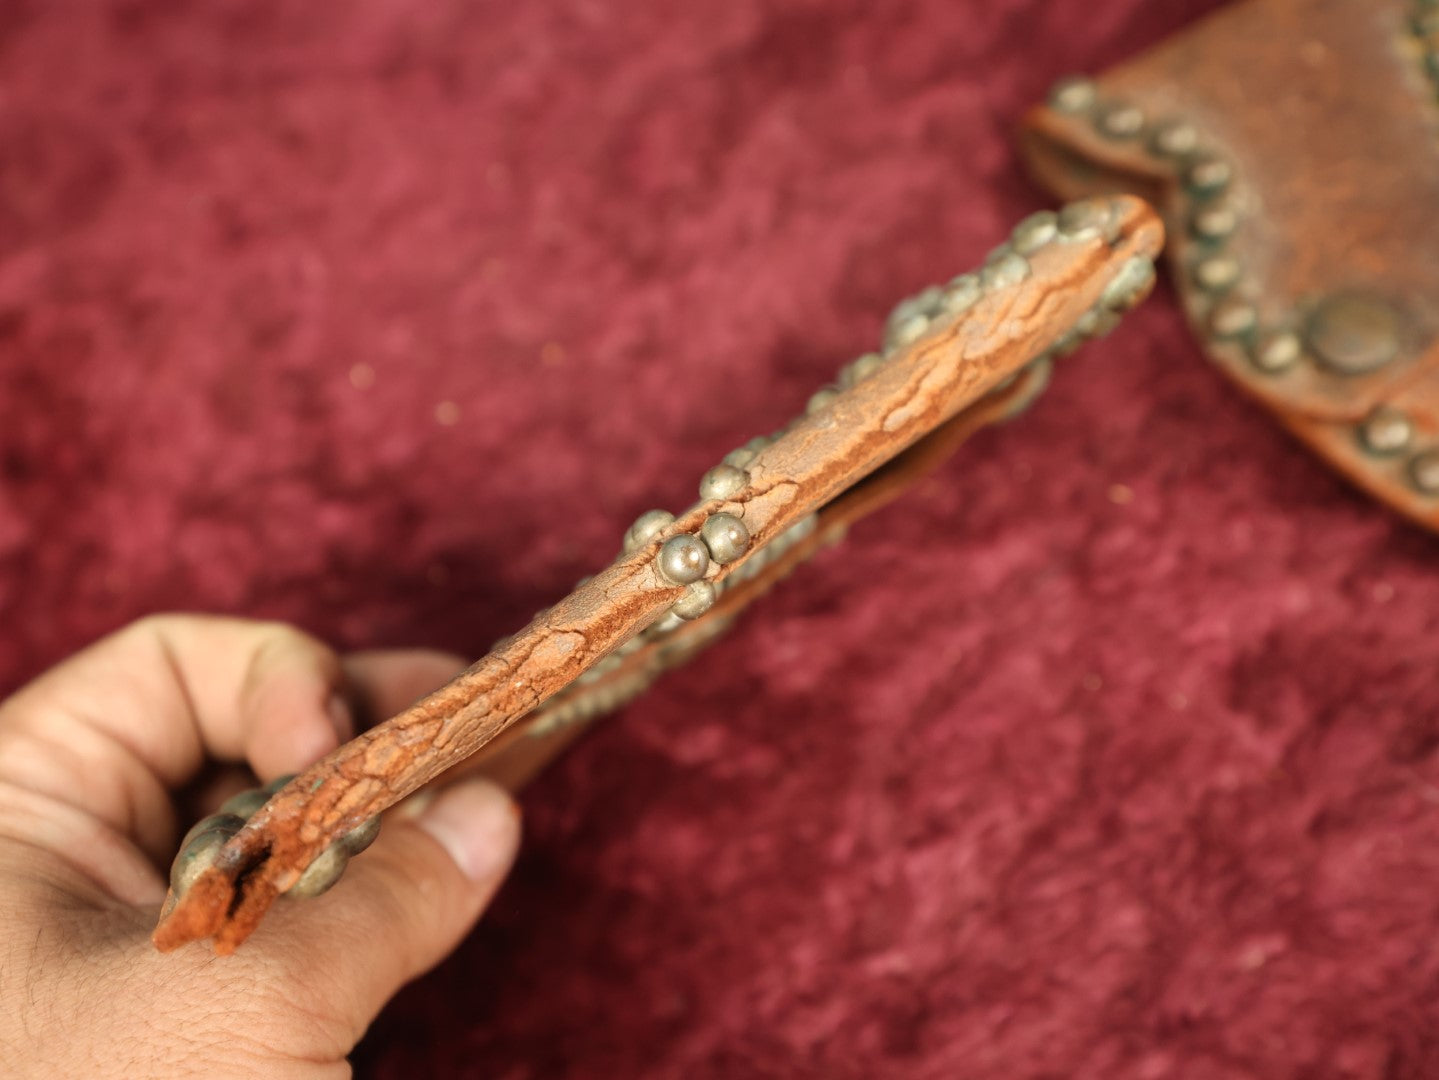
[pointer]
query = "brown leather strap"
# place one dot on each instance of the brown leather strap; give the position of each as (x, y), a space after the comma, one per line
(1291, 146)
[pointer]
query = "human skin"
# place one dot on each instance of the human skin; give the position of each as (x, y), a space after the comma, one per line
(99, 758)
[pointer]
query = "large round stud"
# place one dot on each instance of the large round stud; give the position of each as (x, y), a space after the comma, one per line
(1119, 120)
(646, 527)
(321, 875)
(905, 332)
(199, 848)
(1207, 175)
(725, 536)
(1424, 472)
(361, 836)
(1174, 139)
(1353, 334)
(1276, 352)
(245, 803)
(1129, 286)
(1215, 273)
(723, 481)
(698, 598)
(682, 559)
(1386, 432)
(1005, 268)
(1232, 318)
(1034, 232)
(1073, 95)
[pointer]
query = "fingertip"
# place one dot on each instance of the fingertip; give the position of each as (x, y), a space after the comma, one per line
(478, 825)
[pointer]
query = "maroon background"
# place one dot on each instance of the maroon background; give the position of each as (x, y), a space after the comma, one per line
(1109, 752)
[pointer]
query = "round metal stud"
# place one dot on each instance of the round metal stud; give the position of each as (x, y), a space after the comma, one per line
(646, 527)
(723, 481)
(1276, 352)
(666, 623)
(1232, 318)
(1207, 175)
(903, 333)
(739, 458)
(1073, 95)
(683, 559)
(1082, 220)
(697, 599)
(320, 876)
(1424, 472)
(962, 293)
(245, 803)
(1213, 222)
(858, 370)
(1006, 268)
(1129, 286)
(1034, 232)
(820, 400)
(725, 536)
(1174, 139)
(1216, 273)
(1119, 120)
(1386, 432)
(1353, 334)
(361, 836)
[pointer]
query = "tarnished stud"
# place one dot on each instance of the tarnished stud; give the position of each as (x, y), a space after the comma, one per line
(666, 623)
(682, 559)
(245, 803)
(1232, 318)
(361, 836)
(1005, 269)
(1207, 175)
(924, 303)
(859, 370)
(1034, 232)
(1215, 273)
(903, 333)
(1424, 472)
(1073, 95)
(725, 536)
(723, 481)
(1353, 334)
(1081, 220)
(698, 598)
(646, 527)
(1119, 120)
(1130, 285)
(198, 849)
(822, 399)
(1386, 432)
(1066, 343)
(1276, 352)
(321, 874)
(1174, 139)
(1096, 322)
(962, 293)
(1213, 222)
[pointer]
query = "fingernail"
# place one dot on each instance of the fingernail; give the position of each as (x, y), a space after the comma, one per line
(478, 824)
(338, 710)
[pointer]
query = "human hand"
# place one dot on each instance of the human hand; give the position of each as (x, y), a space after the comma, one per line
(92, 754)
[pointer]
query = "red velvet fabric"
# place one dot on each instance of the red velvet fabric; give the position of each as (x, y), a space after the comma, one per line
(1108, 752)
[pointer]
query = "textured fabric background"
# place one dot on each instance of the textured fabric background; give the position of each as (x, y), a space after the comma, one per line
(1108, 753)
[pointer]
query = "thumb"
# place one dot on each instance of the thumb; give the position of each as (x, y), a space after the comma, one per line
(407, 902)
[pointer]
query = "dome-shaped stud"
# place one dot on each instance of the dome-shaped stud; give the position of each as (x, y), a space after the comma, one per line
(821, 400)
(1207, 175)
(244, 804)
(646, 527)
(1034, 232)
(320, 876)
(698, 598)
(683, 559)
(723, 481)
(1424, 472)
(1129, 286)
(1119, 120)
(1215, 273)
(1174, 139)
(1083, 220)
(361, 836)
(962, 293)
(1213, 221)
(1276, 352)
(1386, 432)
(725, 536)
(858, 370)
(1232, 318)
(199, 848)
(1005, 269)
(1074, 95)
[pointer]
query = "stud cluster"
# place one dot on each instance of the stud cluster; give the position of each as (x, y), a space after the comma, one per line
(1343, 335)
(203, 842)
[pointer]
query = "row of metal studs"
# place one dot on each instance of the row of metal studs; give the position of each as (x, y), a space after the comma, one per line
(1213, 220)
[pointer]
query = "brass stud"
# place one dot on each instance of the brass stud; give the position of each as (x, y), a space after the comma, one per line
(1276, 352)
(1082, 220)
(1424, 472)
(1034, 232)
(1119, 120)
(698, 598)
(1207, 175)
(1353, 334)
(1174, 139)
(1129, 286)
(1213, 222)
(1232, 318)
(1215, 273)
(1074, 94)
(1386, 432)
